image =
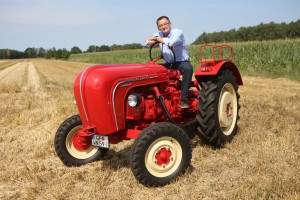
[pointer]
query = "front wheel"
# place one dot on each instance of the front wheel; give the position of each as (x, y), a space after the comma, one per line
(72, 149)
(218, 109)
(160, 153)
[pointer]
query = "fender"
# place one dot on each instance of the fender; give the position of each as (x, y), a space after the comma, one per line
(213, 67)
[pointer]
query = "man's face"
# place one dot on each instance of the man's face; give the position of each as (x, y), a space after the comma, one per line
(164, 26)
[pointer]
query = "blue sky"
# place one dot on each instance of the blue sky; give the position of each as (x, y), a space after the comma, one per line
(69, 23)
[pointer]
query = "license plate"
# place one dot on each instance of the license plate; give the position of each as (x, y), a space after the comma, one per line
(100, 141)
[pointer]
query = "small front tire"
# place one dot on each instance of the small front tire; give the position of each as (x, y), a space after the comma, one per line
(68, 147)
(160, 154)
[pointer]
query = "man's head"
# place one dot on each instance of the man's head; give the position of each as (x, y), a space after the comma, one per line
(164, 25)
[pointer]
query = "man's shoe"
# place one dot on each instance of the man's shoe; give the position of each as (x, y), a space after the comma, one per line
(183, 104)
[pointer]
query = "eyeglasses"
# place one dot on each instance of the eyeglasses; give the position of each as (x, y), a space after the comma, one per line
(165, 24)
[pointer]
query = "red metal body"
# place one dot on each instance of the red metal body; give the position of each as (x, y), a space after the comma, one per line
(101, 93)
(218, 59)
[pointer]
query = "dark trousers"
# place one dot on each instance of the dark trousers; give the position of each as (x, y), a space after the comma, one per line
(186, 69)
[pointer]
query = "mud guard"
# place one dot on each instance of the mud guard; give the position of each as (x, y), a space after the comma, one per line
(212, 68)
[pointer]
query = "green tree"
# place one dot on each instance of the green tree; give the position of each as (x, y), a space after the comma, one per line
(104, 48)
(30, 53)
(270, 31)
(65, 54)
(115, 47)
(75, 50)
(50, 53)
(41, 52)
(92, 48)
(58, 54)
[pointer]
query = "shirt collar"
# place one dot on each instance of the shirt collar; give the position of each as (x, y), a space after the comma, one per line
(169, 35)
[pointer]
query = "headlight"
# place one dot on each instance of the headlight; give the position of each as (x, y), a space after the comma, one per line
(134, 100)
(74, 100)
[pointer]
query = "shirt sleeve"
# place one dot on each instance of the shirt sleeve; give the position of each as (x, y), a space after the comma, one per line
(147, 41)
(176, 38)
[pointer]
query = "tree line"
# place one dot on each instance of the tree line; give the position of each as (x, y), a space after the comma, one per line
(35, 53)
(269, 31)
(62, 53)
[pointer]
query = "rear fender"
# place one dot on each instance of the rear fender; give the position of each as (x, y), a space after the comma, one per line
(209, 69)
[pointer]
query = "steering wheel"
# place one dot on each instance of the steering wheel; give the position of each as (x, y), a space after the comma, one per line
(160, 56)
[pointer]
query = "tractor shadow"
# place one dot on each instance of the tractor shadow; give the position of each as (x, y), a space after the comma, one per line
(115, 160)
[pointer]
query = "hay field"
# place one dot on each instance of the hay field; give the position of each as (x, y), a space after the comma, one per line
(262, 162)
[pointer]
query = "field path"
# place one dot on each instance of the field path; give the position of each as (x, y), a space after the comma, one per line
(23, 74)
(33, 78)
(13, 73)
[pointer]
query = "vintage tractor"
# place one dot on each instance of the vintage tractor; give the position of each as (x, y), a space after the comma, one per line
(141, 101)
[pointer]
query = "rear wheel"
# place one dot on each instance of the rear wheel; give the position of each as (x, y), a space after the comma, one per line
(72, 149)
(160, 153)
(219, 107)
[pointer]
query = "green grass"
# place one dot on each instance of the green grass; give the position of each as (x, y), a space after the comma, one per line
(272, 59)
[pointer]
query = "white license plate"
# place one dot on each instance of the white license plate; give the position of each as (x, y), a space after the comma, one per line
(100, 141)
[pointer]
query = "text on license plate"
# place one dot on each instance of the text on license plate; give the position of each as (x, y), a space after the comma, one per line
(100, 141)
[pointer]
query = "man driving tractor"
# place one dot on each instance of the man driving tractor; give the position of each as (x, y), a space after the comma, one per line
(174, 39)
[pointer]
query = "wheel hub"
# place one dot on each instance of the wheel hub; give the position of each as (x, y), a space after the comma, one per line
(226, 109)
(81, 143)
(163, 157)
(79, 146)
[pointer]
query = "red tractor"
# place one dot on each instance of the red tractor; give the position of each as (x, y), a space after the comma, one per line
(141, 101)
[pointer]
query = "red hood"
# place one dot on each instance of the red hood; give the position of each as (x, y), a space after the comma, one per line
(100, 92)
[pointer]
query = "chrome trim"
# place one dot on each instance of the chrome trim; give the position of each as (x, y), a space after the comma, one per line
(81, 95)
(113, 103)
(126, 81)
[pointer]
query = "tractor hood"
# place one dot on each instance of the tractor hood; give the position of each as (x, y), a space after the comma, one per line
(100, 92)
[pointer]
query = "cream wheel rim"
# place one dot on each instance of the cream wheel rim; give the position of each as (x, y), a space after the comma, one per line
(227, 110)
(75, 152)
(163, 157)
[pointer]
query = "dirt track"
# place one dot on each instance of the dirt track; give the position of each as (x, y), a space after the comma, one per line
(22, 74)
(262, 161)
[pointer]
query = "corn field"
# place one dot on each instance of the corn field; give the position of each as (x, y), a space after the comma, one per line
(280, 58)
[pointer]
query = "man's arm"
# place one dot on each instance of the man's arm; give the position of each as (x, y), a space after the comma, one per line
(153, 39)
(175, 39)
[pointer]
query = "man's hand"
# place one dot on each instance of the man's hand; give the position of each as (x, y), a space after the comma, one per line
(153, 39)
(149, 42)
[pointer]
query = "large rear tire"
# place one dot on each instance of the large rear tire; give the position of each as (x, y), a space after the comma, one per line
(218, 109)
(69, 146)
(160, 153)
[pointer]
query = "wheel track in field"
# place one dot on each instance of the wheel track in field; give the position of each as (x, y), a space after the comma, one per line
(23, 74)
(7, 72)
(7, 63)
(33, 78)
(48, 77)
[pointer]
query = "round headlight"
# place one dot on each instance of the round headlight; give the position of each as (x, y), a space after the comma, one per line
(134, 100)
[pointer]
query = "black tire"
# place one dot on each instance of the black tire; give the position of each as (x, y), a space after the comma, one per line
(218, 109)
(190, 128)
(160, 153)
(65, 149)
